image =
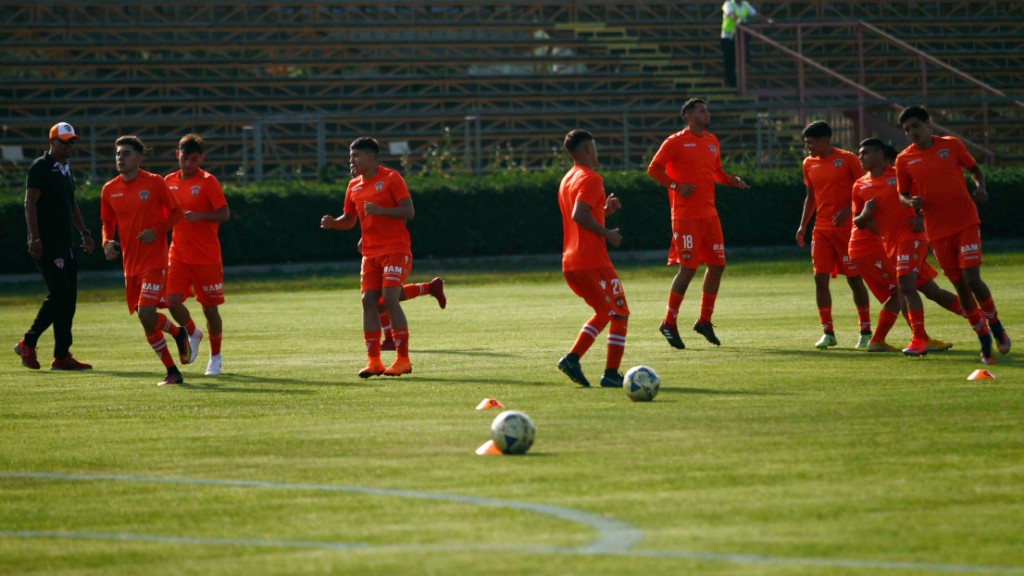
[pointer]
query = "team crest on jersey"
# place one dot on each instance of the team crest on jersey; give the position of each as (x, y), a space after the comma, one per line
(686, 255)
(379, 186)
(195, 191)
(838, 162)
(944, 153)
(59, 263)
(712, 148)
(143, 195)
(892, 182)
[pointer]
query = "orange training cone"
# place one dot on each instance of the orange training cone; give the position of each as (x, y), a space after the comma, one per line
(981, 375)
(489, 404)
(488, 449)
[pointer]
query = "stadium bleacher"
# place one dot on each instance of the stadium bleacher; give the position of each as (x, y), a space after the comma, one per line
(280, 88)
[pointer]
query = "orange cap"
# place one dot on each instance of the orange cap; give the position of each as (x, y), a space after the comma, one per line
(63, 131)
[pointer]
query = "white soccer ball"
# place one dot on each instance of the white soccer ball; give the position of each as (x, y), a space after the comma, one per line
(512, 432)
(641, 384)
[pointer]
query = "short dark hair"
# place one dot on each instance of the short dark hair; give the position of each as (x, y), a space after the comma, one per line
(365, 143)
(575, 139)
(817, 129)
(192, 143)
(890, 154)
(914, 112)
(690, 105)
(873, 143)
(133, 141)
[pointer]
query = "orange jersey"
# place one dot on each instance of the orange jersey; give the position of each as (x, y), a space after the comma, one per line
(892, 218)
(196, 242)
(936, 174)
(830, 179)
(381, 234)
(581, 248)
(697, 160)
(131, 207)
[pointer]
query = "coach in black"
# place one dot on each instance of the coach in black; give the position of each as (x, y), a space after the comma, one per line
(50, 213)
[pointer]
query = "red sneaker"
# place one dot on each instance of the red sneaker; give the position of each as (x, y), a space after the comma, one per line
(69, 363)
(388, 344)
(374, 367)
(402, 365)
(436, 289)
(917, 347)
(28, 355)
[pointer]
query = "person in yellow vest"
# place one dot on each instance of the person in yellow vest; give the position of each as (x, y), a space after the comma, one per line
(734, 13)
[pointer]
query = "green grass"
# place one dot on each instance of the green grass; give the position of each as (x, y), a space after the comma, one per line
(764, 456)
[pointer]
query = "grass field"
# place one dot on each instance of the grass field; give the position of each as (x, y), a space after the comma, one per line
(764, 456)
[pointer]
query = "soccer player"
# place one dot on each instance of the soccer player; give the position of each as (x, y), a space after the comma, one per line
(138, 207)
(585, 263)
(50, 213)
(829, 174)
(877, 206)
(930, 180)
(688, 164)
(195, 260)
(378, 199)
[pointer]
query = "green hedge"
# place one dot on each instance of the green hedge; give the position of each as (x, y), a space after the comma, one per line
(508, 213)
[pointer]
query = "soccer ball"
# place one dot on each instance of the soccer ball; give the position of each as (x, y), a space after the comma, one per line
(512, 432)
(641, 384)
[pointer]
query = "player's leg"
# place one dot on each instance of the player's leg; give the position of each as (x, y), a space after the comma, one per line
(669, 327)
(918, 345)
(927, 287)
(215, 330)
(616, 349)
(983, 296)
(863, 305)
(712, 253)
(48, 311)
(824, 260)
(947, 253)
(396, 270)
(371, 334)
(148, 318)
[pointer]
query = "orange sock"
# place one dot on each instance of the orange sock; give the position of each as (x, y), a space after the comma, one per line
(988, 308)
(588, 333)
(825, 312)
(707, 306)
(977, 321)
(159, 345)
(886, 320)
(616, 344)
(917, 324)
(164, 324)
(214, 341)
(401, 336)
(955, 307)
(413, 290)
(864, 316)
(372, 338)
(672, 311)
(385, 324)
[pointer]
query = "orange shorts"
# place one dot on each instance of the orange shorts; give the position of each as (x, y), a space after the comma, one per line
(926, 274)
(829, 252)
(600, 288)
(150, 289)
(911, 256)
(697, 241)
(879, 274)
(958, 251)
(206, 281)
(384, 271)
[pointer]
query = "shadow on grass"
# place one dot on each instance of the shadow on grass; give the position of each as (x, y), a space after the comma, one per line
(452, 380)
(709, 391)
(473, 352)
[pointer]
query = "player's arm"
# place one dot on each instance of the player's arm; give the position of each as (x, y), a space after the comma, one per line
(88, 244)
(111, 247)
(219, 215)
(863, 219)
(805, 216)
(174, 215)
(980, 192)
(404, 210)
(35, 242)
(581, 215)
(344, 222)
(905, 187)
(611, 205)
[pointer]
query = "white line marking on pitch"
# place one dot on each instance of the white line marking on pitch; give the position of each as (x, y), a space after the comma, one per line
(614, 537)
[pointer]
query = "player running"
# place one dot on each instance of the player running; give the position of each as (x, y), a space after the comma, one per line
(930, 180)
(585, 263)
(829, 174)
(195, 257)
(688, 164)
(138, 207)
(378, 199)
